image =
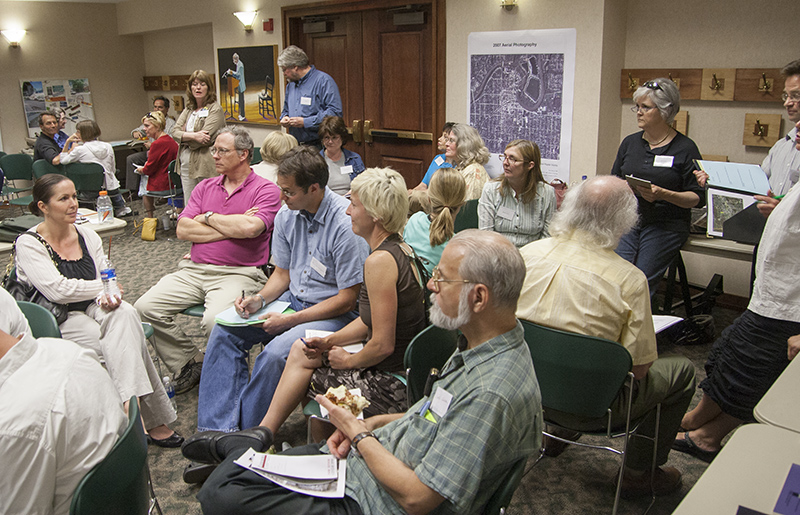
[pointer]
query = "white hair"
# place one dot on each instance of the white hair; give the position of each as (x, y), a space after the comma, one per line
(664, 94)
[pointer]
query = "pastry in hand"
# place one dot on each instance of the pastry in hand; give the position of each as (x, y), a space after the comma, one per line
(342, 397)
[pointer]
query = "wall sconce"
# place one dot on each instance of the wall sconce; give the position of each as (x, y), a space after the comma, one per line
(247, 18)
(13, 36)
(508, 4)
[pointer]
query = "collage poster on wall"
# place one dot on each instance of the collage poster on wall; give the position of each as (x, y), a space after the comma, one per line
(521, 87)
(71, 95)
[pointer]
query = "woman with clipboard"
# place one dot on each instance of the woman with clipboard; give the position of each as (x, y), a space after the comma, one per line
(659, 162)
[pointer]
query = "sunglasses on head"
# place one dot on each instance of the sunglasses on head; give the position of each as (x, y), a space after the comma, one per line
(651, 84)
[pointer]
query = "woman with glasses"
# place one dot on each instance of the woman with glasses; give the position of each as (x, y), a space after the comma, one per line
(662, 158)
(391, 308)
(196, 130)
(519, 203)
(343, 165)
(465, 148)
(162, 152)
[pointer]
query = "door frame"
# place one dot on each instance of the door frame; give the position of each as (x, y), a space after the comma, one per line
(438, 23)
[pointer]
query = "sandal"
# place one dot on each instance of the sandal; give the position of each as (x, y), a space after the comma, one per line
(689, 447)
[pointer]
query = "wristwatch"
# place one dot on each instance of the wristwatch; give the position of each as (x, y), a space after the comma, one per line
(208, 215)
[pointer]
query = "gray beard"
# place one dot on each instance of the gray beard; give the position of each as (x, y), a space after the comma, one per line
(439, 319)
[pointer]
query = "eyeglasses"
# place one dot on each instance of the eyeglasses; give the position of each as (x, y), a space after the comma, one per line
(331, 138)
(221, 151)
(288, 194)
(511, 160)
(794, 96)
(651, 84)
(436, 278)
(645, 109)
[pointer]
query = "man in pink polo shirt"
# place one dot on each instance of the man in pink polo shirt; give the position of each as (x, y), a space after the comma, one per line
(229, 221)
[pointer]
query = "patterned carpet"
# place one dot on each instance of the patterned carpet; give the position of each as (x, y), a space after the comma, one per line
(577, 482)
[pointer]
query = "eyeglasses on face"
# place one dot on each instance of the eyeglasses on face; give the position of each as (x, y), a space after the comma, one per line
(511, 159)
(794, 96)
(645, 109)
(221, 151)
(436, 278)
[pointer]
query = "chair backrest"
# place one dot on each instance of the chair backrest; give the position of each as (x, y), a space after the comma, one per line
(431, 348)
(118, 484)
(42, 167)
(467, 217)
(88, 177)
(17, 167)
(500, 500)
(43, 323)
(256, 156)
(577, 374)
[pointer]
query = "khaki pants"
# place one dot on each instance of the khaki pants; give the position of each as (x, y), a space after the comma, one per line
(214, 286)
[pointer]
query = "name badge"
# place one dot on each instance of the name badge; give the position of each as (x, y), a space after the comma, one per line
(305, 101)
(318, 267)
(346, 170)
(505, 212)
(441, 401)
(665, 161)
(438, 160)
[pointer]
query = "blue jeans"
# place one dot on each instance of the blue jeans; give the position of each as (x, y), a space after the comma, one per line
(651, 249)
(227, 401)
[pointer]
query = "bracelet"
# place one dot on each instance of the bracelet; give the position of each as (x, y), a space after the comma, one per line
(263, 302)
(361, 436)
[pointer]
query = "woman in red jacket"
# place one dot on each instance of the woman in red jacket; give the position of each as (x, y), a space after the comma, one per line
(162, 152)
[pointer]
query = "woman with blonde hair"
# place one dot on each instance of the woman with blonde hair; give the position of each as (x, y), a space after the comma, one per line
(162, 152)
(196, 130)
(465, 148)
(519, 204)
(275, 145)
(428, 233)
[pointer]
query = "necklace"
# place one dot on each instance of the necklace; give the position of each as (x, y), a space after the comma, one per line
(669, 131)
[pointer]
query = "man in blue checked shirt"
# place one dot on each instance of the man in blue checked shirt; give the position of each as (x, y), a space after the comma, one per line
(311, 95)
(450, 451)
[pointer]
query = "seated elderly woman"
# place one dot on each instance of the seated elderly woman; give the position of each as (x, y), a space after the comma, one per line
(275, 145)
(391, 307)
(84, 147)
(343, 165)
(466, 149)
(162, 152)
(664, 157)
(62, 260)
(428, 233)
(519, 203)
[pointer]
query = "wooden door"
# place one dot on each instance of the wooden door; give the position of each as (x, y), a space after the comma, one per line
(390, 73)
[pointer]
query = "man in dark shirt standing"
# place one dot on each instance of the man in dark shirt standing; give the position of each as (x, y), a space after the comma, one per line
(46, 146)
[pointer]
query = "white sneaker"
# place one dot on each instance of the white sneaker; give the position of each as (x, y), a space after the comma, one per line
(125, 211)
(242, 118)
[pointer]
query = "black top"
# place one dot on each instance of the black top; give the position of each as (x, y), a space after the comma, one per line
(82, 268)
(45, 148)
(673, 171)
(410, 305)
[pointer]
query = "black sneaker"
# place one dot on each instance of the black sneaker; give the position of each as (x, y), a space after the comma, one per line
(189, 377)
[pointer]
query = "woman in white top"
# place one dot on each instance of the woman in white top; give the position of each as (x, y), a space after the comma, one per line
(84, 147)
(519, 203)
(62, 260)
(466, 149)
(196, 130)
(275, 145)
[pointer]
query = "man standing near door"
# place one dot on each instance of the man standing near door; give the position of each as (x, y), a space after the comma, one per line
(311, 95)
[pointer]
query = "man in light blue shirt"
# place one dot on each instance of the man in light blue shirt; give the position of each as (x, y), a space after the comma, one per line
(311, 95)
(319, 265)
(239, 75)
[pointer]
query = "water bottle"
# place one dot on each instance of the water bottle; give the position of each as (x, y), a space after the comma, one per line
(170, 392)
(108, 274)
(105, 211)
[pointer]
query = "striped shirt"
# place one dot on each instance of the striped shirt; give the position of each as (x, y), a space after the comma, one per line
(494, 418)
(520, 222)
